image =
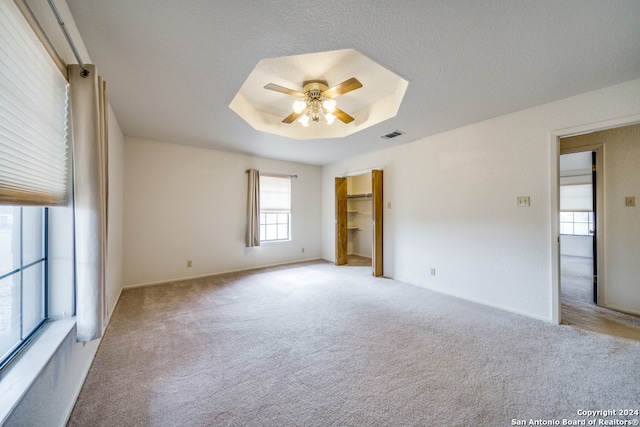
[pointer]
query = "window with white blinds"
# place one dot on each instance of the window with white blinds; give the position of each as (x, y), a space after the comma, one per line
(275, 208)
(576, 198)
(33, 117)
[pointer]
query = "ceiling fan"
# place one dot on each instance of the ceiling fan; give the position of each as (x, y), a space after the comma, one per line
(316, 101)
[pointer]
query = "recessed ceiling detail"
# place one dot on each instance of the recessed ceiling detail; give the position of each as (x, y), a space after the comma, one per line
(263, 106)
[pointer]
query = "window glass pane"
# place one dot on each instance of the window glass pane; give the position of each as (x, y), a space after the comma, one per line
(581, 216)
(32, 296)
(9, 239)
(270, 233)
(566, 228)
(262, 232)
(566, 216)
(32, 234)
(271, 219)
(9, 312)
(283, 231)
(581, 228)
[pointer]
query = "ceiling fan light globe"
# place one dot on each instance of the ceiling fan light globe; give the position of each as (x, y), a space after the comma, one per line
(329, 105)
(330, 118)
(304, 120)
(299, 106)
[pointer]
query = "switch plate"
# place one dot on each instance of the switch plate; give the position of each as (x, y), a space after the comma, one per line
(630, 200)
(523, 201)
(189, 263)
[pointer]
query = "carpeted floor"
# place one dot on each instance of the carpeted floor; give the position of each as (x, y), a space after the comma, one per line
(317, 345)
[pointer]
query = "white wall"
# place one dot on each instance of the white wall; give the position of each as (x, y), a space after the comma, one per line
(581, 246)
(454, 207)
(619, 274)
(184, 203)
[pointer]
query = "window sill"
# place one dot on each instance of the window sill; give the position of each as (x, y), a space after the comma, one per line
(18, 377)
(273, 242)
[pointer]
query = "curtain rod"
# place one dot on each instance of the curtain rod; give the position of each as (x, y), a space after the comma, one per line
(84, 72)
(275, 174)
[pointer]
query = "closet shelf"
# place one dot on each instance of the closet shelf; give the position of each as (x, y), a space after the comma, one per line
(352, 211)
(359, 196)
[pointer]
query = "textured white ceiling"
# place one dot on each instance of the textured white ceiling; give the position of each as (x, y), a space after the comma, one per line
(174, 67)
(378, 99)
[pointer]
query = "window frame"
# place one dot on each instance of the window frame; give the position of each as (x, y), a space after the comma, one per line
(278, 212)
(26, 336)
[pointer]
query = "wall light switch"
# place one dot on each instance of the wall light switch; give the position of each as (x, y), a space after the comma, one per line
(630, 200)
(523, 201)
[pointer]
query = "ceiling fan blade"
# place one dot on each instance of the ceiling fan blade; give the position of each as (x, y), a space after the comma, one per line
(282, 89)
(293, 116)
(341, 115)
(342, 88)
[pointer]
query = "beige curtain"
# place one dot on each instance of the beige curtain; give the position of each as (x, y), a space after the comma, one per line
(89, 112)
(253, 209)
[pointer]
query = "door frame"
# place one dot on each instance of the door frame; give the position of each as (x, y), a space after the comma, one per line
(554, 199)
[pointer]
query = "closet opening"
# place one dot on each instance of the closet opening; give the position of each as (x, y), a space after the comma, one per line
(359, 220)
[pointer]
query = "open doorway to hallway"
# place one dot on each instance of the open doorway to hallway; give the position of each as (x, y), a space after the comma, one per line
(598, 286)
(578, 248)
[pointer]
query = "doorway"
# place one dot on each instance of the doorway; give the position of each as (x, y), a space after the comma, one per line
(359, 220)
(578, 227)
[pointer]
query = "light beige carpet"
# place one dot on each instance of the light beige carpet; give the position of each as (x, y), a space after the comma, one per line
(317, 345)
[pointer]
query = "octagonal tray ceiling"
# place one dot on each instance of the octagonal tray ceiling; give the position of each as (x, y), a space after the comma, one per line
(377, 100)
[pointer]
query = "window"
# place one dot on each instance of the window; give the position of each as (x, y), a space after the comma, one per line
(576, 223)
(576, 210)
(33, 174)
(23, 285)
(275, 208)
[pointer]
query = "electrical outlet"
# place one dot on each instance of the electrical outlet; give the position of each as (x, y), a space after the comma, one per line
(302, 250)
(189, 263)
(630, 201)
(523, 201)
(433, 271)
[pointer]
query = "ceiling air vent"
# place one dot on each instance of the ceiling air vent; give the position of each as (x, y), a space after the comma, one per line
(392, 134)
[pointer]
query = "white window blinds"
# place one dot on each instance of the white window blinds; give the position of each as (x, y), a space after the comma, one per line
(275, 194)
(33, 117)
(576, 198)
